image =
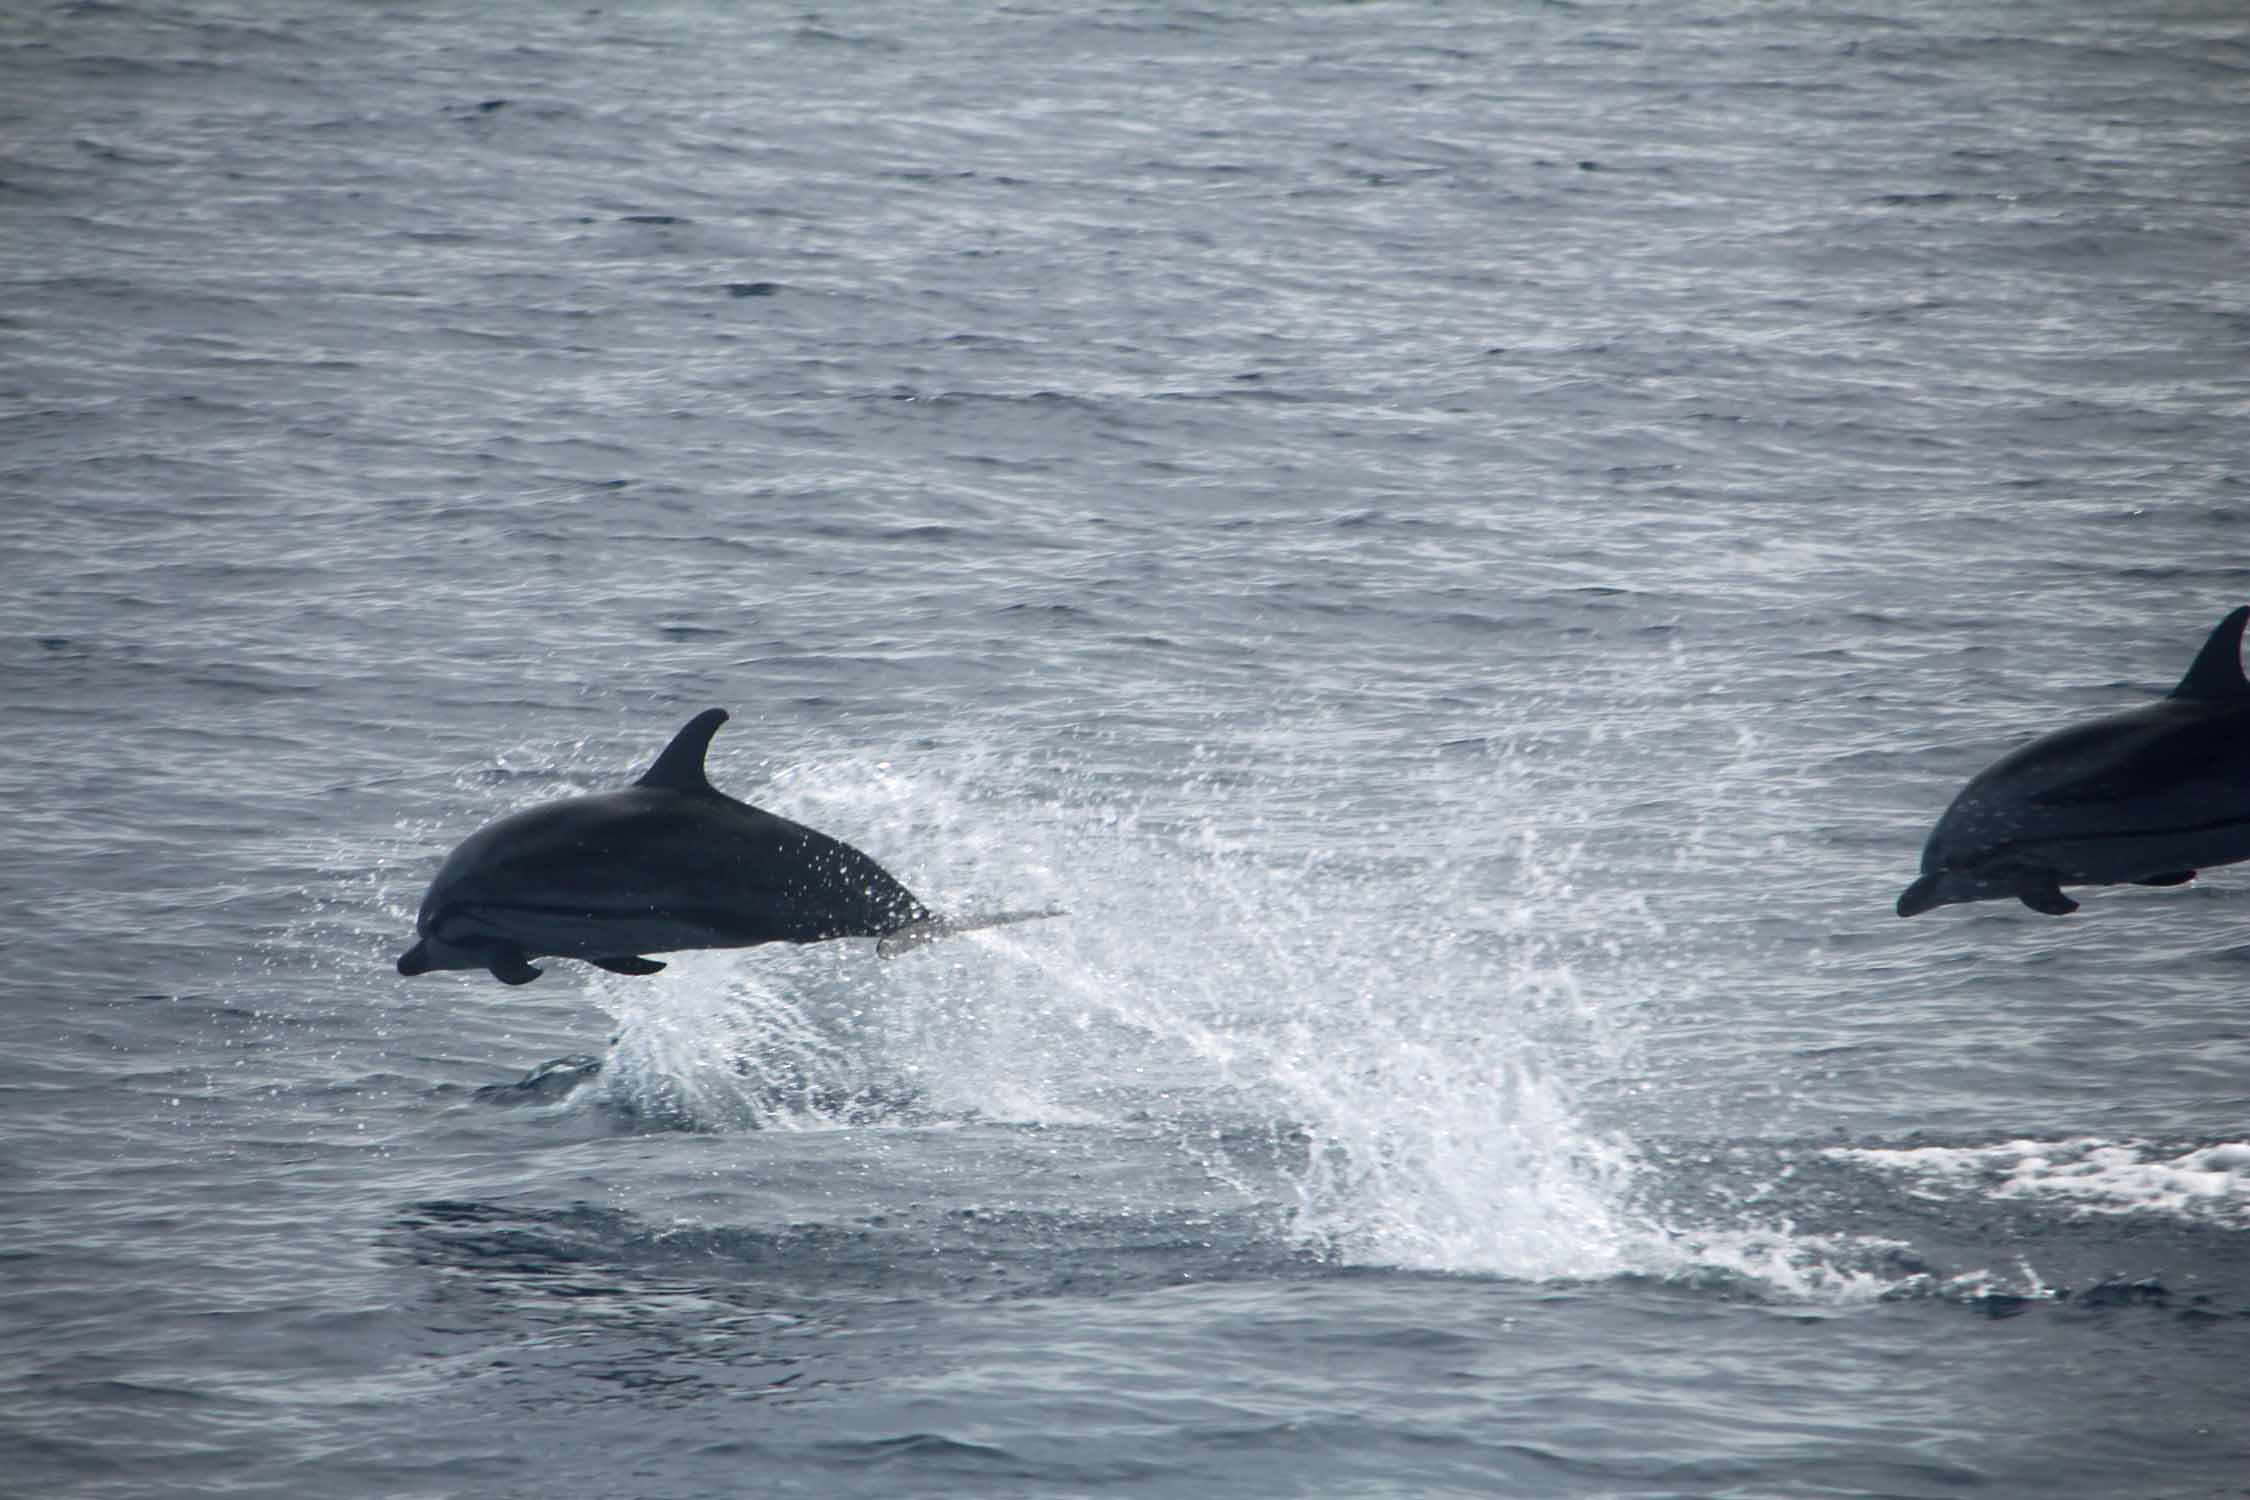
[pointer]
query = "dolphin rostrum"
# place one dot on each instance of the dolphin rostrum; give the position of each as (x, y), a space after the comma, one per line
(667, 864)
(2149, 796)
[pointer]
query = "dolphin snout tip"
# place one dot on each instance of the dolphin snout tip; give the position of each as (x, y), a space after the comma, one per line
(415, 960)
(1919, 897)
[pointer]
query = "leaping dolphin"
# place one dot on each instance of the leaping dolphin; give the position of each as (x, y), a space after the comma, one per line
(669, 863)
(2149, 796)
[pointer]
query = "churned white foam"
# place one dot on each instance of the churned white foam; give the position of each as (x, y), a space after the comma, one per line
(2095, 1175)
(1782, 1262)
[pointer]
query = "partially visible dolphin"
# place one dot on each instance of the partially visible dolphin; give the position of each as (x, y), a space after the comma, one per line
(2149, 796)
(669, 863)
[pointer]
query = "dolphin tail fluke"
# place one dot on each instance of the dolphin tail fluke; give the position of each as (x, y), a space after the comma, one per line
(918, 934)
(1919, 897)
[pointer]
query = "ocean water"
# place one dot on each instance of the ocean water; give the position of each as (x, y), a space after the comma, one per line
(1466, 544)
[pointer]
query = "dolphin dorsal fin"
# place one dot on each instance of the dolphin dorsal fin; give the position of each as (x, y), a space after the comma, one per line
(680, 767)
(2217, 673)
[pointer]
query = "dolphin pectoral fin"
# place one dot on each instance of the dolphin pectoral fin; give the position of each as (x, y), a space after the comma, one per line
(916, 934)
(2177, 877)
(2046, 897)
(1919, 897)
(509, 966)
(627, 965)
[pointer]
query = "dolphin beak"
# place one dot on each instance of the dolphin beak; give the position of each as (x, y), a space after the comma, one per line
(415, 960)
(1912, 902)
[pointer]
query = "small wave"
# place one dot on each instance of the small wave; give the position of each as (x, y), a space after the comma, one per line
(933, 1453)
(930, 1448)
(986, 1253)
(546, 1084)
(2096, 1176)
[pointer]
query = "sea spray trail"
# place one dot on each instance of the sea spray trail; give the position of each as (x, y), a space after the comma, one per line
(1415, 1025)
(1368, 1009)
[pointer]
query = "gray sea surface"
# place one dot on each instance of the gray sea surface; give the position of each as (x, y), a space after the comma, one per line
(1467, 545)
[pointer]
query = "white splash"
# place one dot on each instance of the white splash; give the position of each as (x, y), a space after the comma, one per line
(1410, 1027)
(720, 1046)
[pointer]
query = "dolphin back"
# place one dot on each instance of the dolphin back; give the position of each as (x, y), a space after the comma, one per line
(2146, 796)
(667, 864)
(2102, 788)
(671, 871)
